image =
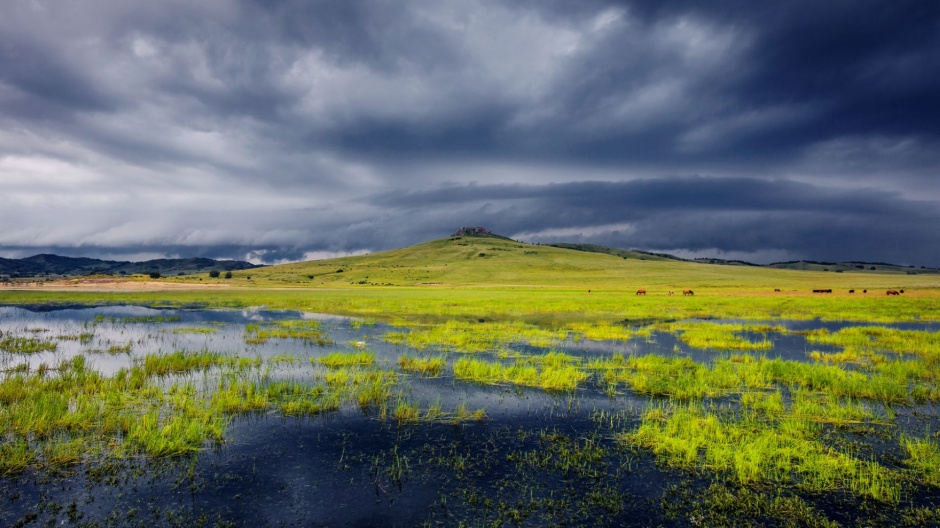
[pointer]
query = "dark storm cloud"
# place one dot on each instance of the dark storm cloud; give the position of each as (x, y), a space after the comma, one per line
(702, 215)
(289, 128)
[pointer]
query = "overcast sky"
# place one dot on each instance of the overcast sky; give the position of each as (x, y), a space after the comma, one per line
(278, 130)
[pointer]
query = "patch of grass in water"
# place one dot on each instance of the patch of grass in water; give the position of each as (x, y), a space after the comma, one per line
(410, 413)
(754, 450)
(860, 340)
(196, 330)
(59, 417)
(428, 366)
(180, 362)
(923, 459)
(720, 336)
(337, 360)
(150, 319)
(462, 336)
(307, 330)
(26, 345)
(282, 359)
(547, 377)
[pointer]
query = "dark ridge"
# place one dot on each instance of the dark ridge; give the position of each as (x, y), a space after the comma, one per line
(726, 262)
(625, 253)
(46, 265)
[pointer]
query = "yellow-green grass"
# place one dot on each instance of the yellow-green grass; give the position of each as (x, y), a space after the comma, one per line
(719, 336)
(345, 359)
(426, 366)
(411, 413)
(78, 413)
(195, 330)
(26, 345)
(862, 340)
(71, 413)
(545, 307)
(181, 361)
(755, 449)
(304, 330)
(551, 377)
(466, 336)
(891, 383)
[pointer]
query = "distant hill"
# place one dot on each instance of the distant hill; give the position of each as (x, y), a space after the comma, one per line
(625, 253)
(850, 266)
(46, 265)
(806, 265)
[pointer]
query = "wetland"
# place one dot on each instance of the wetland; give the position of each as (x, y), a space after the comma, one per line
(129, 415)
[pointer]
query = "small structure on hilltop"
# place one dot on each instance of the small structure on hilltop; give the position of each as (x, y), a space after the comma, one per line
(472, 231)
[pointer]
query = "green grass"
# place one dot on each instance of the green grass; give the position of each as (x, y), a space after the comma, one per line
(551, 377)
(717, 336)
(430, 366)
(465, 336)
(180, 362)
(303, 330)
(26, 345)
(754, 450)
(337, 360)
(51, 421)
(195, 330)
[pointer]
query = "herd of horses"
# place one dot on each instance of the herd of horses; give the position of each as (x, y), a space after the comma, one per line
(829, 290)
(777, 290)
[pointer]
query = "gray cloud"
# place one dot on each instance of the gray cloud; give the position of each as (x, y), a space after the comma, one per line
(284, 130)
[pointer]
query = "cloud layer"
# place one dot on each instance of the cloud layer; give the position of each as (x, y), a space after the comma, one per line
(286, 130)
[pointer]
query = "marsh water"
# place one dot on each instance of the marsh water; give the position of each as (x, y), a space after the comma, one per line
(538, 458)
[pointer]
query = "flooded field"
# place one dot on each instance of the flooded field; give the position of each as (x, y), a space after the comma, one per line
(130, 416)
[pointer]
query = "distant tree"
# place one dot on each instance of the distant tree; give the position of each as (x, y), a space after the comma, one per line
(154, 274)
(214, 274)
(228, 274)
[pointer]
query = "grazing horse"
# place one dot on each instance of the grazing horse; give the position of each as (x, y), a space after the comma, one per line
(641, 292)
(864, 291)
(851, 291)
(688, 292)
(892, 292)
(829, 290)
(776, 290)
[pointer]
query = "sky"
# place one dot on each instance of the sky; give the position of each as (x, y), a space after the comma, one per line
(285, 130)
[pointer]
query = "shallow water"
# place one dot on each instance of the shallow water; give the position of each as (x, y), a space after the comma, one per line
(353, 467)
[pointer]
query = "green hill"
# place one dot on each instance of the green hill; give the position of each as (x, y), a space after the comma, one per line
(497, 262)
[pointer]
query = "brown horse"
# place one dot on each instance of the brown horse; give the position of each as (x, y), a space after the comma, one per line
(892, 292)
(688, 292)
(776, 290)
(641, 292)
